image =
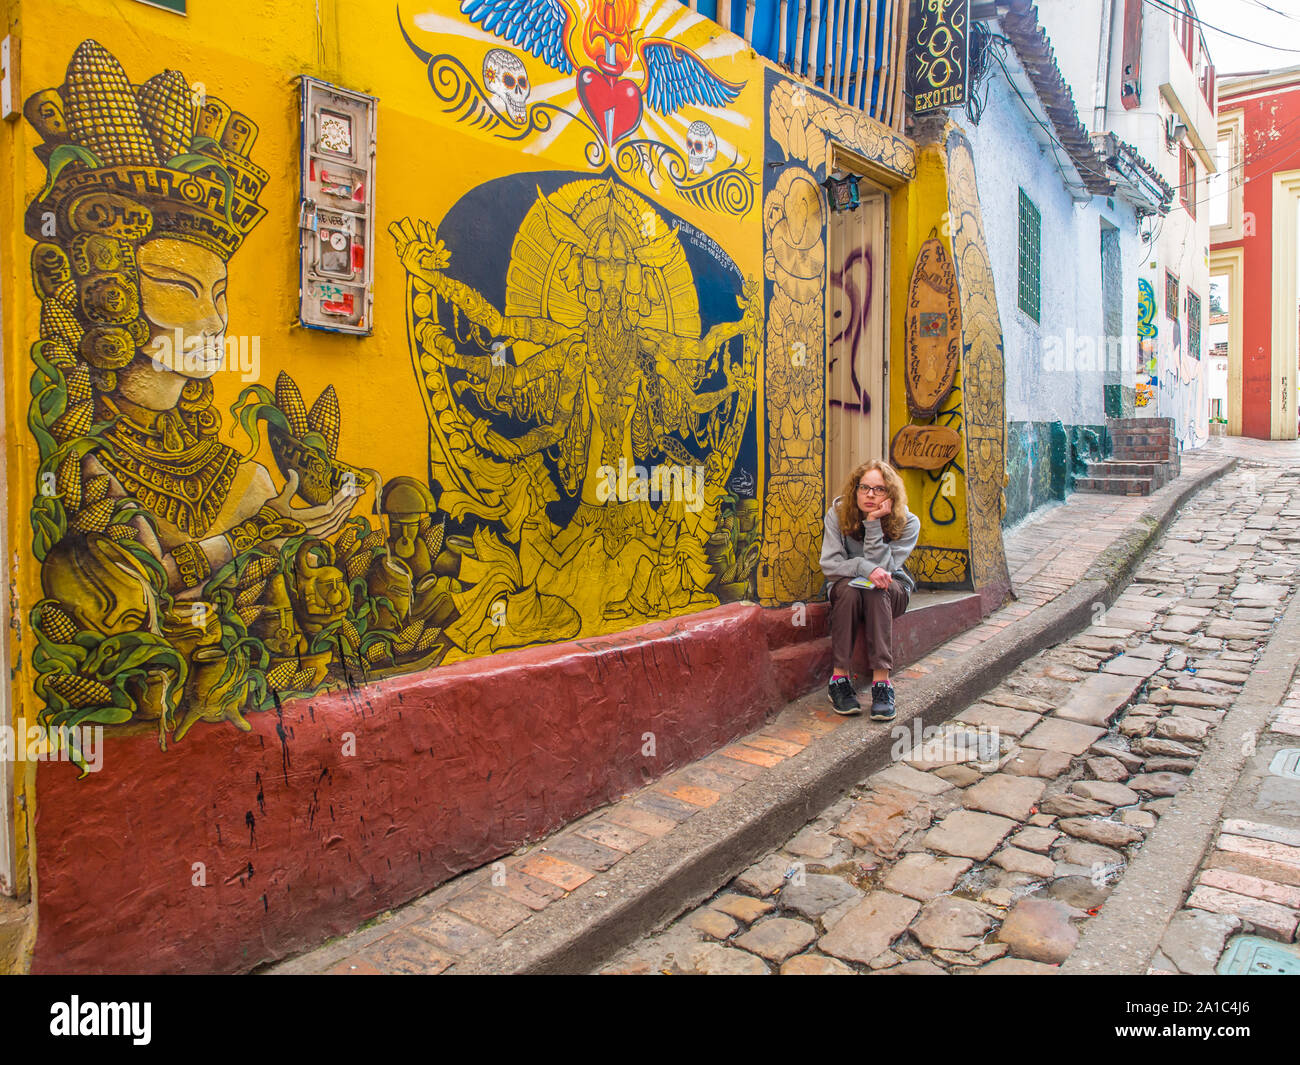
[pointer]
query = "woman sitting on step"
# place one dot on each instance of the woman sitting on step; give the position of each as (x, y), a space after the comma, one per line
(869, 534)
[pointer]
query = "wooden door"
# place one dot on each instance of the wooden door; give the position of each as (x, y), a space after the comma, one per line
(857, 400)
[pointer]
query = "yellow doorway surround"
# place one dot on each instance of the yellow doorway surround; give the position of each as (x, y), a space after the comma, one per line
(1229, 262)
(1286, 217)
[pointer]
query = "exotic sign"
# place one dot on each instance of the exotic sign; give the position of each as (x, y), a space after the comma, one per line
(924, 447)
(937, 49)
(932, 342)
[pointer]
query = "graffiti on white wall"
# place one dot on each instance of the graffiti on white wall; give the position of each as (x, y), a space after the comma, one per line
(1182, 386)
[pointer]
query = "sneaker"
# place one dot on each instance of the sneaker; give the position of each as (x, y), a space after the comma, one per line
(843, 698)
(882, 702)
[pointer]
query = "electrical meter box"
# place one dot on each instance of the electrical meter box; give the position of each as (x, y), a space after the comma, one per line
(336, 218)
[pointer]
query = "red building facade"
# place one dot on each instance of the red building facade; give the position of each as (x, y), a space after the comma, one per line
(1254, 248)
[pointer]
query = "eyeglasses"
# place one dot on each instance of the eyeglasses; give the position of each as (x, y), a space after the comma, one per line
(873, 490)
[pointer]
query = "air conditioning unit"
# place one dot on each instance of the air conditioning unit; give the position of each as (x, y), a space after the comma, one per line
(1175, 129)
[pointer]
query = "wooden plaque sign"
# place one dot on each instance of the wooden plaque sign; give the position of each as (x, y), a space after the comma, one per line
(924, 447)
(932, 343)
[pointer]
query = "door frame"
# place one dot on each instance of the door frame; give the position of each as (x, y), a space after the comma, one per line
(8, 841)
(870, 181)
(1230, 263)
(1286, 344)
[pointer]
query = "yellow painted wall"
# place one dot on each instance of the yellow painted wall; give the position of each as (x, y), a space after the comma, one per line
(249, 54)
(921, 210)
(428, 161)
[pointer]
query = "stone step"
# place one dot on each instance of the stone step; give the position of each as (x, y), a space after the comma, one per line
(1157, 473)
(1120, 440)
(1123, 468)
(1142, 454)
(1136, 435)
(1115, 486)
(1140, 424)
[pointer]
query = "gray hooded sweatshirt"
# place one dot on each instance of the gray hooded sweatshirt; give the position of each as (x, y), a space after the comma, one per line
(843, 556)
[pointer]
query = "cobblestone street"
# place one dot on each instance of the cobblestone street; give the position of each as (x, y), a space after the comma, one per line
(992, 841)
(1249, 881)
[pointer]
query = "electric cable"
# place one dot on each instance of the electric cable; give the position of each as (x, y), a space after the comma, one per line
(1260, 3)
(1047, 129)
(1181, 13)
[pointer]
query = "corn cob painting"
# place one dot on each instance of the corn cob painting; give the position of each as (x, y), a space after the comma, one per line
(101, 110)
(306, 442)
(143, 623)
(167, 109)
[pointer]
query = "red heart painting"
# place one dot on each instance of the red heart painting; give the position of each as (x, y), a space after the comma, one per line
(613, 104)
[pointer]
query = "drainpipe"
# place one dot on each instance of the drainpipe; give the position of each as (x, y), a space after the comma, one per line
(1100, 96)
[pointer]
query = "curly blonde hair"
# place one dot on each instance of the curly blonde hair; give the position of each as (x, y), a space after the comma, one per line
(851, 517)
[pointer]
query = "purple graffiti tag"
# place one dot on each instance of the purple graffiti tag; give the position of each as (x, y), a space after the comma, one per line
(853, 281)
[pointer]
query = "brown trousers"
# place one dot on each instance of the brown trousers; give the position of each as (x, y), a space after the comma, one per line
(868, 612)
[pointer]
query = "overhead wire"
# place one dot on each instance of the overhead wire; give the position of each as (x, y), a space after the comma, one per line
(982, 43)
(1014, 88)
(1285, 15)
(1183, 13)
(1283, 145)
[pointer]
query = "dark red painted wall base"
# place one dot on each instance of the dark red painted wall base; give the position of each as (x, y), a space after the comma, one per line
(452, 769)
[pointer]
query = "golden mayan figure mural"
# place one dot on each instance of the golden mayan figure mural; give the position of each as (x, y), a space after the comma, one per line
(160, 545)
(183, 580)
(622, 407)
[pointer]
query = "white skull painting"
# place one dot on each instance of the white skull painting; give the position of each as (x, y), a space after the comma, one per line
(701, 146)
(507, 84)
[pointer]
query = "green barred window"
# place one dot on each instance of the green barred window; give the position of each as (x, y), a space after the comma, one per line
(1030, 256)
(1193, 324)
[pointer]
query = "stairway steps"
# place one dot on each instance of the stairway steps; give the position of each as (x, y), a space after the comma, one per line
(1144, 458)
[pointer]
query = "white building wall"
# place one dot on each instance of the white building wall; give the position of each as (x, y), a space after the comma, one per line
(1180, 243)
(1074, 28)
(1054, 370)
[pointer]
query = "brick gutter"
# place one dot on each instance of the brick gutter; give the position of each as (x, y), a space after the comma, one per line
(682, 869)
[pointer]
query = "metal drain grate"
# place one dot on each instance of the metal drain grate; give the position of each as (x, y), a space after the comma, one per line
(1256, 956)
(1286, 763)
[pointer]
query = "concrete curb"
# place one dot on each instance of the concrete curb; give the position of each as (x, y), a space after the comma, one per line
(1125, 936)
(672, 874)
